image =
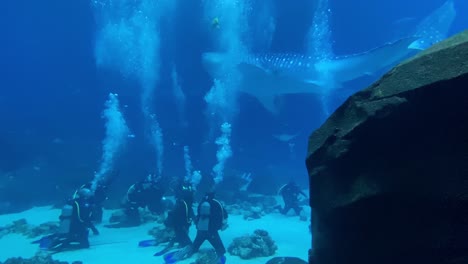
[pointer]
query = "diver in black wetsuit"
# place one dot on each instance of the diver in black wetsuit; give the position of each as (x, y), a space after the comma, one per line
(99, 196)
(146, 193)
(155, 196)
(97, 199)
(211, 218)
(291, 193)
(180, 218)
(75, 222)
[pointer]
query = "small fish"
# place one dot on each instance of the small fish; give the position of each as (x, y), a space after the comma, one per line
(215, 23)
(285, 137)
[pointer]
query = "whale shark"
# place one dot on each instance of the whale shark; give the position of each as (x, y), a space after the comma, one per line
(269, 75)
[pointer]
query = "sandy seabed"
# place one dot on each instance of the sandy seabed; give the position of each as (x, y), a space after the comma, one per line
(120, 246)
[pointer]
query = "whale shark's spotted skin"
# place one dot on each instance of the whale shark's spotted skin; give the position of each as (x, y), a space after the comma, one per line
(268, 75)
(281, 61)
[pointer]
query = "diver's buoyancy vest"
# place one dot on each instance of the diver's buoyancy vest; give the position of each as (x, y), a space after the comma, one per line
(65, 219)
(204, 216)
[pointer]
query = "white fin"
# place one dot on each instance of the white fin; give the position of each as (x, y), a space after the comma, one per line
(269, 103)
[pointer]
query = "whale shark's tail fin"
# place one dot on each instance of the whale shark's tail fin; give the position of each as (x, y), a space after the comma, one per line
(435, 27)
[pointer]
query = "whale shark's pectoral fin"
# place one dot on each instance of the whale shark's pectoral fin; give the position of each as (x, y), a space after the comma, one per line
(269, 102)
(254, 72)
(260, 84)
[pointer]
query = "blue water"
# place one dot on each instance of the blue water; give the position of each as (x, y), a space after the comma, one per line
(52, 94)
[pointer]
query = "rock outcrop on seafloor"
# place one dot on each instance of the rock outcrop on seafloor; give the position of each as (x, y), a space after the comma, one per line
(259, 244)
(388, 170)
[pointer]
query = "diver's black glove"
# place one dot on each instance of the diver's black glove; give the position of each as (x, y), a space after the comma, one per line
(225, 225)
(94, 229)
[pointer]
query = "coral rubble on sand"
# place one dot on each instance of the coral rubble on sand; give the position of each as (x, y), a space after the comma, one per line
(259, 244)
(40, 258)
(253, 207)
(206, 257)
(21, 226)
(161, 234)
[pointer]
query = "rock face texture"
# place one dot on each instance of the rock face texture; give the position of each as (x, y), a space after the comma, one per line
(388, 170)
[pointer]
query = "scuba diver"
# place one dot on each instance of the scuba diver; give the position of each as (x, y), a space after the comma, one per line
(211, 218)
(97, 199)
(75, 222)
(290, 193)
(142, 194)
(180, 217)
(99, 195)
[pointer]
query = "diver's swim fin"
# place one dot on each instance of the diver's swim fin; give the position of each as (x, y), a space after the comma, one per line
(171, 257)
(222, 260)
(176, 255)
(44, 242)
(75, 247)
(163, 251)
(147, 243)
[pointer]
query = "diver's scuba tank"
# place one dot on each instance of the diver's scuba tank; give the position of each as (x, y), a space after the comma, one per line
(65, 219)
(204, 216)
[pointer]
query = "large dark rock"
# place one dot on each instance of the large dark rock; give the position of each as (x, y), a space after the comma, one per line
(388, 170)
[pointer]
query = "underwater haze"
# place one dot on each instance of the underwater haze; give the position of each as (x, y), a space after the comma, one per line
(88, 88)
